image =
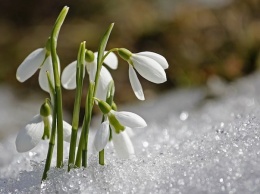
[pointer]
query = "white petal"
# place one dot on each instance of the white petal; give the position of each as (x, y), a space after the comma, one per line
(102, 136)
(92, 70)
(135, 83)
(149, 69)
(104, 80)
(129, 119)
(123, 145)
(68, 77)
(157, 57)
(111, 60)
(129, 131)
(66, 131)
(30, 64)
(30, 135)
(43, 80)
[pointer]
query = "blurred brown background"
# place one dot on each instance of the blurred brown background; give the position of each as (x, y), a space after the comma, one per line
(199, 38)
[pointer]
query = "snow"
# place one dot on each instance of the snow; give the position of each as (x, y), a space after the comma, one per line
(193, 144)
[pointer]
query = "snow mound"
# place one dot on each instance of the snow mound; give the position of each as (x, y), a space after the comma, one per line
(193, 144)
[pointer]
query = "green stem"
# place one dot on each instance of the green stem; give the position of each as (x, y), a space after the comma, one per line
(75, 118)
(73, 142)
(109, 100)
(58, 99)
(88, 113)
(51, 144)
(107, 53)
(48, 161)
(80, 146)
(83, 144)
(59, 162)
(101, 156)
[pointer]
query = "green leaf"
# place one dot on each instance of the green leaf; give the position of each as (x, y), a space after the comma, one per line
(102, 47)
(59, 22)
(80, 63)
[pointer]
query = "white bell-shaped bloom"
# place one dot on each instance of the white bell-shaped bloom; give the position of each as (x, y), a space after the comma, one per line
(29, 136)
(34, 61)
(149, 65)
(120, 118)
(68, 78)
(129, 119)
(121, 141)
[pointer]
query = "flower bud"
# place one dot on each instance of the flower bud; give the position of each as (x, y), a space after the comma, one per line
(124, 54)
(104, 107)
(89, 56)
(45, 110)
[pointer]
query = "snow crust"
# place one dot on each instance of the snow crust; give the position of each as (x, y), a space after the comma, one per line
(193, 144)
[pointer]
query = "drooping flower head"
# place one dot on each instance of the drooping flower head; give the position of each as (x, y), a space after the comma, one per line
(38, 128)
(118, 121)
(149, 65)
(38, 59)
(68, 78)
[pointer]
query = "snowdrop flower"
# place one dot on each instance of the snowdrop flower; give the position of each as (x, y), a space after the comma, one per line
(35, 130)
(38, 59)
(68, 78)
(118, 121)
(149, 65)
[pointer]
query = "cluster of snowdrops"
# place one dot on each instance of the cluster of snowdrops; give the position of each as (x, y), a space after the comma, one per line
(115, 125)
